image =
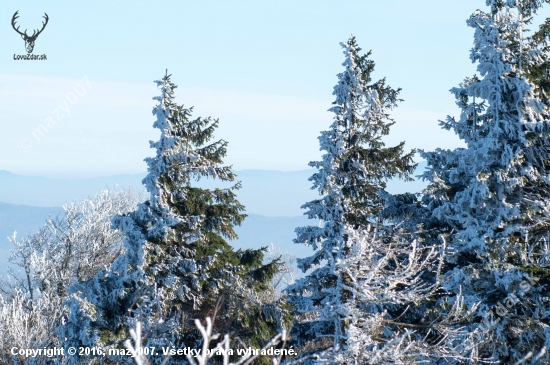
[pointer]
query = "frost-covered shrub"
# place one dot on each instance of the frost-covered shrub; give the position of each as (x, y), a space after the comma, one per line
(71, 247)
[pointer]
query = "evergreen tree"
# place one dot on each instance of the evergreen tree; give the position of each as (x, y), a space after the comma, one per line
(177, 264)
(353, 169)
(538, 72)
(492, 196)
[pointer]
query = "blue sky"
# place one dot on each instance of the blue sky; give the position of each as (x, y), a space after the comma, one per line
(265, 68)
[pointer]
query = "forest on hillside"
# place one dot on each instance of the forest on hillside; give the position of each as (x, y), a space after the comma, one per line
(458, 273)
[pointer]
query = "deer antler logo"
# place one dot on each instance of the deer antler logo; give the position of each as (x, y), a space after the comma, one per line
(29, 40)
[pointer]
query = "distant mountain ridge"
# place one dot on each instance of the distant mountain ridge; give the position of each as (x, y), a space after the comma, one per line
(263, 192)
(256, 231)
(272, 200)
(46, 192)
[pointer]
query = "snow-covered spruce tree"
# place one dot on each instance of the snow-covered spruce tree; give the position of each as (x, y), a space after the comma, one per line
(354, 167)
(493, 195)
(178, 265)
